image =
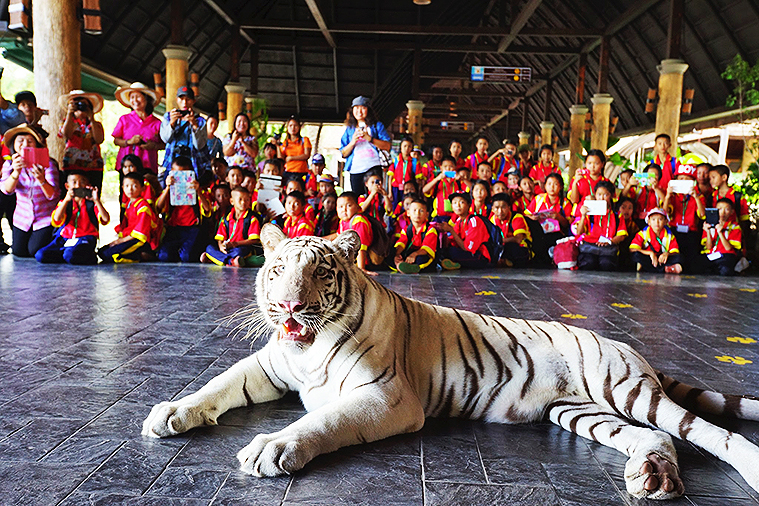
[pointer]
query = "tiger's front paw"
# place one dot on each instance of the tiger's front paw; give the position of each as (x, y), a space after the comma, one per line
(172, 418)
(654, 477)
(274, 455)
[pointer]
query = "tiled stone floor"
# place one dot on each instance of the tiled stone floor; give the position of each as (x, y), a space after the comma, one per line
(85, 352)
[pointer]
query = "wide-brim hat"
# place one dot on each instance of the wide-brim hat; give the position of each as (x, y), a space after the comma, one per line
(123, 92)
(95, 99)
(25, 128)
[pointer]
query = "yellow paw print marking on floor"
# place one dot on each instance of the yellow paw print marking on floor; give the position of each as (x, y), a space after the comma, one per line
(749, 290)
(645, 280)
(574, 316)
(687, 277)
(735, 360)
(742, 340)
(485, 293)
(698, 295)
(621, 305)
(491, 277)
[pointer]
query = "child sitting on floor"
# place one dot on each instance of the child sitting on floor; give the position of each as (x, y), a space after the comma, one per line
(151, 187)
(375, 202)
(137, 231)
(182, 221)
(645, 197)
(402, 219)
(654, 249)
(527, 189)
(719, 175)
(327, 221)
(722, 242)
(516, 234)
(296, 223)
(416, 247)
(481, 198)
(237, 235)
(601, 234)
(77, 217)
(440, 188)
(468, 235)
(625, 212)
(350, 216)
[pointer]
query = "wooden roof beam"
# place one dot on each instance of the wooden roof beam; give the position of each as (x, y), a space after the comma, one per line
(317, 14)
(228, 18)
(518, 23)
(469, 93)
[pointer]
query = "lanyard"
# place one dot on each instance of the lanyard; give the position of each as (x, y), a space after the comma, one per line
(76, 219)
(600, 224)
(686, 201)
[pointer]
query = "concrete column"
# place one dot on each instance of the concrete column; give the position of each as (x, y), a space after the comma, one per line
(546, 132)
(577, 132)
(724, 138)
(524, 137)
(57, 62)
(415, 108)
(670, 99)
(599, 138)
(234, 102)
(176, 72)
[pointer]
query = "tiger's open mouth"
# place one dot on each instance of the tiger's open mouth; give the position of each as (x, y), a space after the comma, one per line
(293, 331)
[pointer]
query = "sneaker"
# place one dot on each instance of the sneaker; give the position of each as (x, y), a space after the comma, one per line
(450, 265)
(673, 269)
(639, 267)
(407, 268)
(235, 262)
(204, 258)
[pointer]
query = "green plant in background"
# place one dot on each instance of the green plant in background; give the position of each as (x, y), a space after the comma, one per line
(745, 94)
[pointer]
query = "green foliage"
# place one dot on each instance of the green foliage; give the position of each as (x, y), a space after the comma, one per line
(745, 76)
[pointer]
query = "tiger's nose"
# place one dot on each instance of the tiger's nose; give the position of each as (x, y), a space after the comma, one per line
(291, 306)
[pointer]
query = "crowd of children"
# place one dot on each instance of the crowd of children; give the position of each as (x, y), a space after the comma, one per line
(451, 212)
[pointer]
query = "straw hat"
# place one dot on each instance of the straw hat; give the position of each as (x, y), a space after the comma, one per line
(95, 99)
(123, 92)
(11, 134)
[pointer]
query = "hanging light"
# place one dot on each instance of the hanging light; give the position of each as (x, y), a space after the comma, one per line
(422, 2)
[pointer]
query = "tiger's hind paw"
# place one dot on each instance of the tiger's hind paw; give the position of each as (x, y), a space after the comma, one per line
(653, 477)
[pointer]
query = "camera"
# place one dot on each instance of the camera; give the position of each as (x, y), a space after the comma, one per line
(82, 192)
(184, 112)
(81, 105)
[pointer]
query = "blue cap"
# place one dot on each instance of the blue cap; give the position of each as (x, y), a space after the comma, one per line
(185, 91)
(360, 100)
(318, 158)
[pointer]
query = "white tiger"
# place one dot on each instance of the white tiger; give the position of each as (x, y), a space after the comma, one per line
(369, 364)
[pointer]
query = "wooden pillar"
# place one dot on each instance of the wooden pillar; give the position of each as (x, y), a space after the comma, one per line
(675, 30)
(254, 69)
(235, 93)
(415, 72)
(546, 132)
(176, 72)
(577, 132)
(599, 138)
(524, 137)
(415, 108)
(603, 66)
(670, 99)
(234, 66)
(57, 62)
(581, 69)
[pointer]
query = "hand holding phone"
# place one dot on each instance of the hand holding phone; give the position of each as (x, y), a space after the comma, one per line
(83, 193)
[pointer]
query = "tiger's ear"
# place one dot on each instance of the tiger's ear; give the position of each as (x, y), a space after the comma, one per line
(271, 236)
(349, 244)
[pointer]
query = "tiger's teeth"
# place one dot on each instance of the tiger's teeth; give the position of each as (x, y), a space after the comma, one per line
(304, 331)
(285, 329)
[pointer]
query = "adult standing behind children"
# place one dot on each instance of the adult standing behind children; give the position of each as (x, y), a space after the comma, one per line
(295, 150)
(185, 134)
(36, 188)
(138, 132)
(83, 135)
(362, 140)
(240, 146)
(214, 145)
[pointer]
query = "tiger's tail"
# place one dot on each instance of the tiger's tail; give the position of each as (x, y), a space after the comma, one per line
(696, 400)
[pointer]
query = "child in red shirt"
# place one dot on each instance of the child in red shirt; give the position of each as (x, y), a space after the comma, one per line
(238, 233)
(655, 249)
(468, 235)
(481, 155)
(647, 197)
(235, 177)
(297, 185)
(503, 160)
(454, 150)
(544, 167)
(585, 181)
(151, 186)
(137, 231)
(527, 194)
(312, 179)
(669, 165)
(376, 202)
(485, 172)
(402, 220)
(601, 235)
(722, 242)
(296, 223)
(350, 216)
(481, 198)
(403, 170)
(442, 186)
(516, 234)
(432, 168)
(719, 175)
(77, 219)
(416, 246)
(685, 214)
(183, 221)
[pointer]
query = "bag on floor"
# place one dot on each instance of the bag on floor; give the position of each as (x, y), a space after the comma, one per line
(565, 253)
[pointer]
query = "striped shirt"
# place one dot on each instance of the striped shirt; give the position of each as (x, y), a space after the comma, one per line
(33, 209)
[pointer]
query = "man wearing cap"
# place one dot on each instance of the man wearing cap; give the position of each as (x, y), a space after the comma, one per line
(362, 141)
(138, 132)
(83, 136)
(185, 134)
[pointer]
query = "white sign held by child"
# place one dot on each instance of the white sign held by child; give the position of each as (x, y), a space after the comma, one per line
(182, 193)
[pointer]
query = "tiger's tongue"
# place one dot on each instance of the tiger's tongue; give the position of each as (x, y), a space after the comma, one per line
(291, 329)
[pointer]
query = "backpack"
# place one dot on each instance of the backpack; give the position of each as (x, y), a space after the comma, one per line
(380, 246)
(495, 244)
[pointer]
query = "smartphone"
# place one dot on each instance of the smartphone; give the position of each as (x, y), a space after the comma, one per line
(595, 207)
(450, 173)
(712, 215)
(184, 112)
(82, 192)
(35, 156)
(582, 172)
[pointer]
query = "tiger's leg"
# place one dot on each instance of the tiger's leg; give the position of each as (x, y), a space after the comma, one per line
(243, 384)
(651, 470)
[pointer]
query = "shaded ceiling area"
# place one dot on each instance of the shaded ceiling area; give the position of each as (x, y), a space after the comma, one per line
(311, 57)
